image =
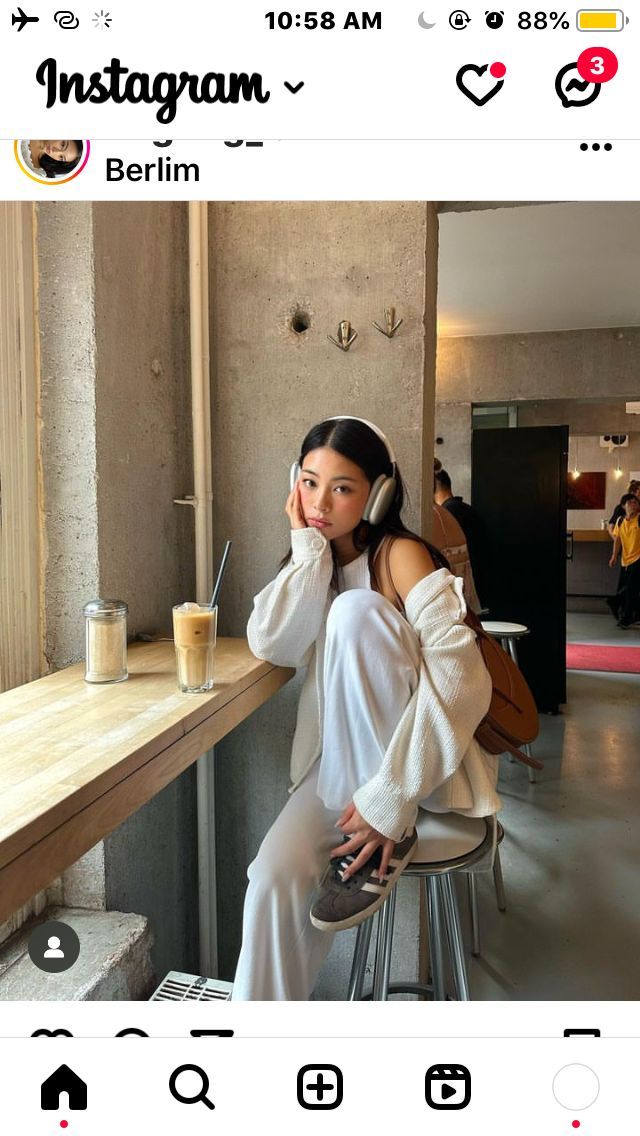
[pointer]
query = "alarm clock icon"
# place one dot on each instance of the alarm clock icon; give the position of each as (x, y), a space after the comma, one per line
(494, 20)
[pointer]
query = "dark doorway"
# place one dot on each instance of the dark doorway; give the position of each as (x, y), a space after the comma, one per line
(519, 487)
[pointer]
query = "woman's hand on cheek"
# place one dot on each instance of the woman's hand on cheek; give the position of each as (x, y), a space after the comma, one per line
(294, 510)
(364, 838)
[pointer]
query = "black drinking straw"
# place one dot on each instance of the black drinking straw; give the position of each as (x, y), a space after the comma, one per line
(223, 565)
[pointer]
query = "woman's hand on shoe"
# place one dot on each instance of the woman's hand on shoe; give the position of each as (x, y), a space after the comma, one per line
(366, 839)
(293, 508)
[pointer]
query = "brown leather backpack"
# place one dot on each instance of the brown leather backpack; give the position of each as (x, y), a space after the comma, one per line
(512, 718)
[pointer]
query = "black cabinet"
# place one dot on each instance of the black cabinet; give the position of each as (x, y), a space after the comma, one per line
(519, 485)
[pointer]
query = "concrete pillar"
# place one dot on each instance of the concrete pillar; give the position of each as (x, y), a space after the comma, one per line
(116, 451)
(67, 411)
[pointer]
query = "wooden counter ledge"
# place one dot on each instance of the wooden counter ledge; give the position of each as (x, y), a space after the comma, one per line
(592, 535)
(77, 759)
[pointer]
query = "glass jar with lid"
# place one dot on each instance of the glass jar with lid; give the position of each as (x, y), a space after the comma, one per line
(105, 641)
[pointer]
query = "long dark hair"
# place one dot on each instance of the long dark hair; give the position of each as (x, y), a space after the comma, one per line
(54, 168)
(361, 445)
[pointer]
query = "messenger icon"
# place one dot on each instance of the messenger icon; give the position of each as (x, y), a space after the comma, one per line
(572, 89)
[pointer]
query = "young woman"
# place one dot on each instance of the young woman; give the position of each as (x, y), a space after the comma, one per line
(54, 158)
(394, 690)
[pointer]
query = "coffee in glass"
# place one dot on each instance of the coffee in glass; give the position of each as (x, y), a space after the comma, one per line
(194, 635)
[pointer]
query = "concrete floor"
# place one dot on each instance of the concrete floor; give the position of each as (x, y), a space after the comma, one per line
(571, 853)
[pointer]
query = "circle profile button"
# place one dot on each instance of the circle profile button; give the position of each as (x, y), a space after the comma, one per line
(54, 947)
(576, 1087)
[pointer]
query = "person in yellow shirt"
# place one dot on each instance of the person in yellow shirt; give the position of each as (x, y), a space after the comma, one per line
(626, 538)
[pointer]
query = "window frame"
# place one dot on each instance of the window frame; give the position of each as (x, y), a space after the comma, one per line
(21, 633)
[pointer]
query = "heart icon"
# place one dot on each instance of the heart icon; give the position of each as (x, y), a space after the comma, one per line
(496, 71)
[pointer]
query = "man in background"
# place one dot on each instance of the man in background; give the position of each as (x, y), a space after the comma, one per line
(626, 539)
(619, 511)
(463, 513)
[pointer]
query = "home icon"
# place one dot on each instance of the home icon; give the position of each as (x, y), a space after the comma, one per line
(64, 1080)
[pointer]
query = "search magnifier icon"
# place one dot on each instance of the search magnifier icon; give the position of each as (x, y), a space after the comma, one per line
(200, 1095)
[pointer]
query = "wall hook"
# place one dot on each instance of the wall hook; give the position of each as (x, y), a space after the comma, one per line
(390, 326)
(346, 336)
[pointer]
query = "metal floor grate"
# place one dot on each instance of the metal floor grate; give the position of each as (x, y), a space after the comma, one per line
(178, 987)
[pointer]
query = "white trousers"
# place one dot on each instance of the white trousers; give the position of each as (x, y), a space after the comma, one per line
(371, 669)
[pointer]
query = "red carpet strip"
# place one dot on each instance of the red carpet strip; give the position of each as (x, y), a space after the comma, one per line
(596, 657)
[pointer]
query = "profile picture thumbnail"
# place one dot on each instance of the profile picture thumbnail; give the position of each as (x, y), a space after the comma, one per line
(50, 160)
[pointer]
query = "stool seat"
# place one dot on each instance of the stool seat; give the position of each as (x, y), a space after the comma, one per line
(501, 630)
(446, 836)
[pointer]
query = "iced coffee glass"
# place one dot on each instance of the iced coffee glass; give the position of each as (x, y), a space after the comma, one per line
(194, 635)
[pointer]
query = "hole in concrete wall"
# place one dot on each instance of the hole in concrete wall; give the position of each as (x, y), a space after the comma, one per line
(300, 322)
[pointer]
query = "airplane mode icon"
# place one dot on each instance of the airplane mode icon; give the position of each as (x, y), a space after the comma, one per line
(22, 19)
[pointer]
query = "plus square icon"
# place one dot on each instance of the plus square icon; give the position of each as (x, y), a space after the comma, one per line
(319, 1086)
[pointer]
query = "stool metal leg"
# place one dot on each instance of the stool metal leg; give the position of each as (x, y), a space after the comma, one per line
(454, 935)
(506, 645)
(530, 771)
(359, 966)
(499, 882)
(386, 919)
(509, 645)
(435, 915)
(473, 908)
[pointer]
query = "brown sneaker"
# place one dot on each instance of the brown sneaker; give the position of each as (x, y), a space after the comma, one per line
(340, 903)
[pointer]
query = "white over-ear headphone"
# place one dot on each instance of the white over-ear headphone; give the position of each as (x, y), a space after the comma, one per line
(383, 489)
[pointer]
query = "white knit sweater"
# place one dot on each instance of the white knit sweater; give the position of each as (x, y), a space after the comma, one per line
(433, 753)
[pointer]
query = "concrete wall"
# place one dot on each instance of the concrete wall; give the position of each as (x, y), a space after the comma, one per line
(559, 364)
(143, 407)
(333, 262)
(573, 377)
(116, 450)
(582, 416)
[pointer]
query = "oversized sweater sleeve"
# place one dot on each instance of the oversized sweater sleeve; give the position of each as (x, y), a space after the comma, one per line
(288, 613)
(437, 726)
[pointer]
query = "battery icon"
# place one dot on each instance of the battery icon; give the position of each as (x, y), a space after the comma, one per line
(601, 20)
